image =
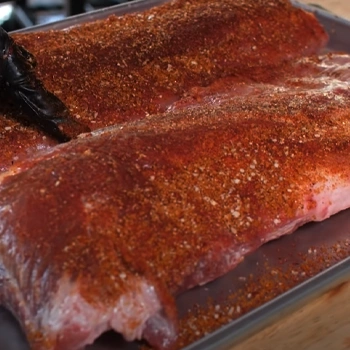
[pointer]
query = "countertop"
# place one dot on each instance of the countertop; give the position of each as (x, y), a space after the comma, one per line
(338, 7)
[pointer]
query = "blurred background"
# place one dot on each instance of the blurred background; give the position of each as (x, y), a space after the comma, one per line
(25, 13)
(18, 14)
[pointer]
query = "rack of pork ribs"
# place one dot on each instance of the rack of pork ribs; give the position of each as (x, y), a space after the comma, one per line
(216, 127)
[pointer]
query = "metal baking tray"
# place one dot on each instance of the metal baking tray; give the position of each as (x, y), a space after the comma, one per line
(280, 296)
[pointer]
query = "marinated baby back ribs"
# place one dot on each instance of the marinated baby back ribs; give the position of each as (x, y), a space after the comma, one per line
(125, 68)
(103, 232)
(39, 106)
(140, 63)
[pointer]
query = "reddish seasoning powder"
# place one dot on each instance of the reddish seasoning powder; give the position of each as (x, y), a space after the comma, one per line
(129, 67)
(266, 283)
(140, 72)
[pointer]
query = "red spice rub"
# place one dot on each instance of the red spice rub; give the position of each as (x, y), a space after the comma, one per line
(181, 197)
(124, 68)
(115, 70)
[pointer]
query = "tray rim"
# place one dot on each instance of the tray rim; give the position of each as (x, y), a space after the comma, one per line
(256, 320)
(261, 317)
(119, 10)
(141, 5)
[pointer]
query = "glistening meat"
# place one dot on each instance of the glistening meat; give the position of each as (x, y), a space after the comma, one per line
(127, 68)
(103, 232)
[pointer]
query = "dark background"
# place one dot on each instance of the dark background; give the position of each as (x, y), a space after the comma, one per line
(25, 13)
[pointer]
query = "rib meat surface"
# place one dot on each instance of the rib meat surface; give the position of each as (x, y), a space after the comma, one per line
(126, 68)
(103, 232)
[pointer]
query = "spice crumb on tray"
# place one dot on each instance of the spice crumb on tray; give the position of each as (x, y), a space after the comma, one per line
(276, 270)
(201, 153)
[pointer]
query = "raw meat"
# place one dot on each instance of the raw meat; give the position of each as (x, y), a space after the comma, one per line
(105, 231)
(125, 68)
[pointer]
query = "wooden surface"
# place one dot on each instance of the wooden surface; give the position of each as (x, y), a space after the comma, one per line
(322, 324)
(338, 7)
